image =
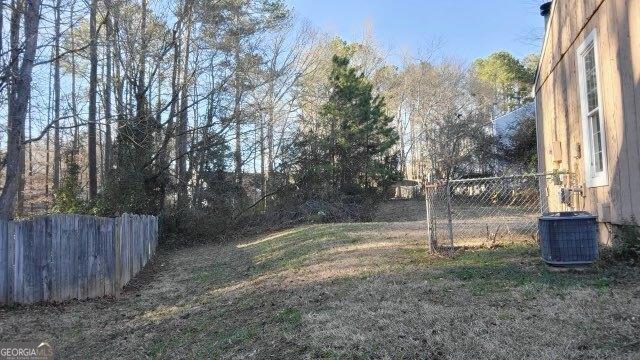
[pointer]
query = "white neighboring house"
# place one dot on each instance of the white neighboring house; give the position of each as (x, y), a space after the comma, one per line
(502, 124)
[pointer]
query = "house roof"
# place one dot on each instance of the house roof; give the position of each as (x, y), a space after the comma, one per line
(544, 42)
(555, 27)
(502, 124)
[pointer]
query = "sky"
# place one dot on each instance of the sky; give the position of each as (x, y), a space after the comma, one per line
(459, 29)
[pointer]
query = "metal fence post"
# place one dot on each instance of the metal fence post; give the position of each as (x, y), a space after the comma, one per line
(431, 236)
(449, 217)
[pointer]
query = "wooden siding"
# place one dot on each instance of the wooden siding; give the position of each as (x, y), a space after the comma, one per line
(61, 257)
(558, 102)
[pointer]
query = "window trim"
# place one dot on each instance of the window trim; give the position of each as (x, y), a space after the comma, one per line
(592, 178)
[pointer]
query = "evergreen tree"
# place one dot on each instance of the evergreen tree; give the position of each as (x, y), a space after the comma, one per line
(356, 138)
(510, 78)
(133, 185)
(68, 196)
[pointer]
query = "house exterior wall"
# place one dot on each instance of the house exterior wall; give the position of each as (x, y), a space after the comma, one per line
(558, 105)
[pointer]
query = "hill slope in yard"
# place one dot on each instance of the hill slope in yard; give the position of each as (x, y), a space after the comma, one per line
(347, 291)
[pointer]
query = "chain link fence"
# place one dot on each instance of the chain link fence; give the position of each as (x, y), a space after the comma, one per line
(468, 212)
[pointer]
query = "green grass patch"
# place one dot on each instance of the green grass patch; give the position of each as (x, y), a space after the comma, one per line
(157, 348)
(160, 346)
(235, 336)
(327, 354)
(290, 316)
(494, 270)
(212, 274)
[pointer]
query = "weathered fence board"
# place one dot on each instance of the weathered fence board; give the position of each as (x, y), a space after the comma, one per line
(11, 254)
(61, 257)
(18, 272)
(4, 263)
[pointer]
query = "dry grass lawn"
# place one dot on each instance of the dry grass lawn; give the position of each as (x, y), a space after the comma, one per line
(348, 291)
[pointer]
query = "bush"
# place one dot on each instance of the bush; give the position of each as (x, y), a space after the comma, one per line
(211, 215)
(626, 242)
(190, 226)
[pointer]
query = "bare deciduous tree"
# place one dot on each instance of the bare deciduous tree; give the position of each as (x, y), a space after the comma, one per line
(19, 95)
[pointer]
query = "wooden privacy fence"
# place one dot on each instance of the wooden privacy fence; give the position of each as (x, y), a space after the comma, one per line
(61, 257)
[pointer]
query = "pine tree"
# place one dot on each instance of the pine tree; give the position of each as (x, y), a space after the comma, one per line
(356, 140)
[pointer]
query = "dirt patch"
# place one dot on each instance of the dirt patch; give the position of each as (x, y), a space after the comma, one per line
(347, 291)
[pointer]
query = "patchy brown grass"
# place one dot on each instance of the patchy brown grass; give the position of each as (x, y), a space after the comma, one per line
(347, 291)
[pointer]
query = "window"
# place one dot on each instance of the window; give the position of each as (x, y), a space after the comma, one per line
(595, 155)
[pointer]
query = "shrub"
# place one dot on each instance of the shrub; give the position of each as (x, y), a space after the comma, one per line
(189, 226)
(626, 242)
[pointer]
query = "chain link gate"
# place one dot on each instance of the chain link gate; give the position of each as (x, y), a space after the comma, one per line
(468, 212)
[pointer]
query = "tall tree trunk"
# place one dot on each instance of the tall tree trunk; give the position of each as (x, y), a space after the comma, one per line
(158, 110)
(17, 7)
(21, 180)
(237, 103)
(14, 44)
(181, 140)
(131, 95)
(118, 84)
(263, 168)
(118, 92)
(108, 88)
(414, 145)
(1, 26)
(74, 102)
(175, 93)
(99, 132)
(19, 94)
(49, 120)
(141, 83)
(163, 162)
(93, 92)
(237, 153)
(158, 115)
(202, 156)
(30, 154)
(196, 126)
(56, 100)
(400, 127)
(268, 184)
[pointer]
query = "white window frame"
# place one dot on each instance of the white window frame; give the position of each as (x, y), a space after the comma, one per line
(593, 178)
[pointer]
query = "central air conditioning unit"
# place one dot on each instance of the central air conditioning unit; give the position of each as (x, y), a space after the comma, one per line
(568, 238)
